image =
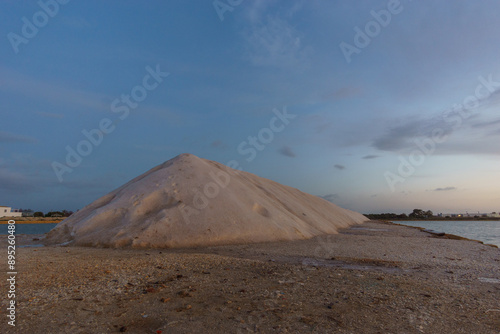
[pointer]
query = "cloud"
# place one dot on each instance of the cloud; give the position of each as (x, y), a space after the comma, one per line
(272, 41)
(16, 83)
(399, 137)
(486, 124)
(371, 156)
(7, 138)
(494, 133)
(287, 151)
(13, 82)
(343, 93)
(15, 181)
(445, 189)
(330, 197)
(461, 135)
(456, 119)
(50, 115)
(340, 167)
(217, 143)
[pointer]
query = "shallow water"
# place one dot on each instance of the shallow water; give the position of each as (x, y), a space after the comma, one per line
(485, 231)
(29, 228)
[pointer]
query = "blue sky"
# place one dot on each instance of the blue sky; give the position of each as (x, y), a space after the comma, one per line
(392, 105)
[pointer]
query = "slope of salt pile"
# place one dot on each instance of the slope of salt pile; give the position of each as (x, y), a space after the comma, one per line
(188, 201)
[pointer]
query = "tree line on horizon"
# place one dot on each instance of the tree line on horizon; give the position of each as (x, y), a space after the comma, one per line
(419, 214)
(416, 214)
(30, 213)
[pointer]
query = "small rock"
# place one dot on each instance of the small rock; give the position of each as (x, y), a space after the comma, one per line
(183, 294)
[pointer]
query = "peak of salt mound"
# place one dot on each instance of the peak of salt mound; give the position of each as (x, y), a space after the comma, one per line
(188, 201)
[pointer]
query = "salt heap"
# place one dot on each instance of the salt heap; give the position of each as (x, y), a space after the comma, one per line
(188, 201)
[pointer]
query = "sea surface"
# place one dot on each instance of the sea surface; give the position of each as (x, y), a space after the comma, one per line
(487, 231)
(29, 228)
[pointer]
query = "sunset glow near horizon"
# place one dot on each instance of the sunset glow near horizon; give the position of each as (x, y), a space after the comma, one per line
(378, 106)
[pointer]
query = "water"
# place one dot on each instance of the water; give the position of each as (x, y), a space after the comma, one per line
(29, 228)
(487, 231)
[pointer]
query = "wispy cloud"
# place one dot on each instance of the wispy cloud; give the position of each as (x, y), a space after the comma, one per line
(8, 138)
(486, 124)
(457, 119)
(50, 115)
(25, 174)
(287, 151)
(217, 144)
(494, 132)
(15, 182)
(339, 167)
(272, 41)
(400, 136)
(445, 189)
(462, 136)
(16, 83)
(330, 197)
(370, 156)
(343, 93)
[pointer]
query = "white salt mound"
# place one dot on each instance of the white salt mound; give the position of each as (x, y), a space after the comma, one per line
(188, 201)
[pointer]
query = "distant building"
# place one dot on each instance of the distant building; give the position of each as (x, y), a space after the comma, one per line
(6, 211)
(494, 214)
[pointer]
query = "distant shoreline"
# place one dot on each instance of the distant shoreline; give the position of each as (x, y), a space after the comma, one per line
(31, 221)
(438, 219)
(447, 219)
(444, 236)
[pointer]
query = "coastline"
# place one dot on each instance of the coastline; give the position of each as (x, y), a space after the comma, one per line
(444, 219)
(31, 221)
(444, 235)
(372, 277)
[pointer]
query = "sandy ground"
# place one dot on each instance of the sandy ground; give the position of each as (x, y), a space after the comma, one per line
(370, 278)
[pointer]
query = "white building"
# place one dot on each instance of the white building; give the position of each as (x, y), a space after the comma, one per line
(6, 211)
(494, 214)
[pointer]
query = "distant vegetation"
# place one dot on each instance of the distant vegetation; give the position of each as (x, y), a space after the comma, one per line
(419, 214)
(38, 214)
(386, 216)
(63, 213)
